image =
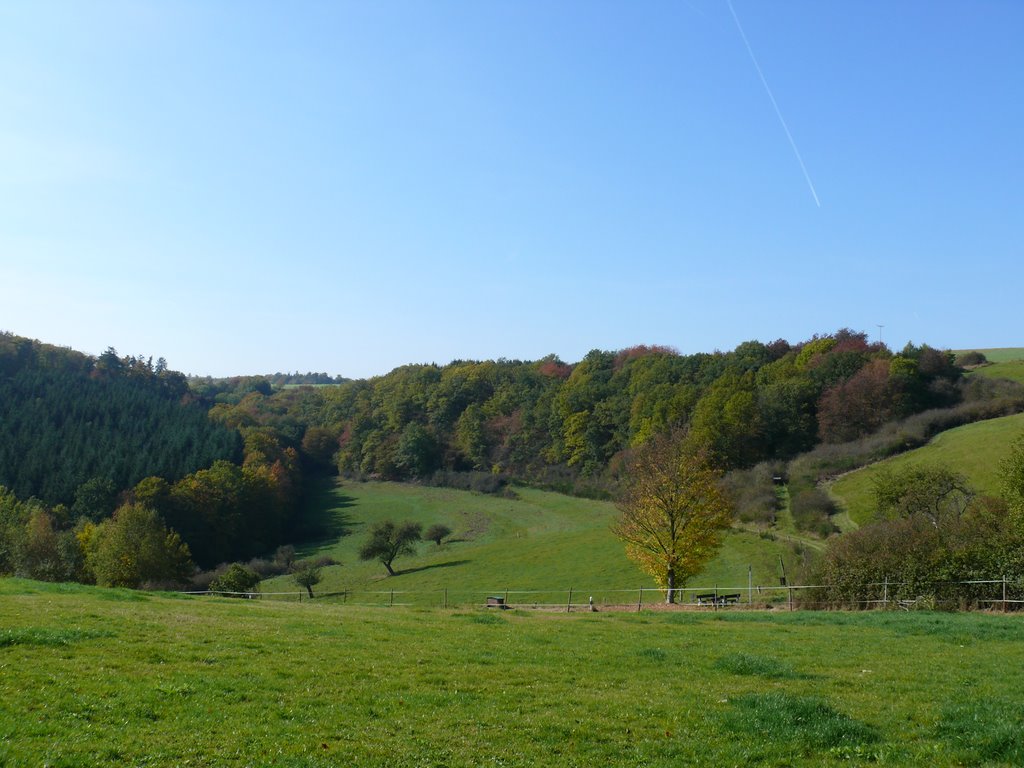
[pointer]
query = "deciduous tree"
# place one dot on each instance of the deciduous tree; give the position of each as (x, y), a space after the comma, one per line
(437, 532)
(236, 581)
(673, 512)
(134, 547)
(308, 576)
(388, 540)
(933, 493)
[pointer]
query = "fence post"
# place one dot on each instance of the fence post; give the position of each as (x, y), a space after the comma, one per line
(1004, 593)
(506, 595)
(392, 603)
(750, 585)
(640, 600)
(568, 606)
(885, 593)
(446, 597)
(790, 590)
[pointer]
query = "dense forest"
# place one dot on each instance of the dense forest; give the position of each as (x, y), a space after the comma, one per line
(95, 449)
(66, 418)
(545, 418)
(83, 439)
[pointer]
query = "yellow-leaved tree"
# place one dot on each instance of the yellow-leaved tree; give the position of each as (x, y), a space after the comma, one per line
(673, 511)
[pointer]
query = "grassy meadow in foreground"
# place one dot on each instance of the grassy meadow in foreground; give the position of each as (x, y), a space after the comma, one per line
(111, 678)
(974, 450)
(540, 542)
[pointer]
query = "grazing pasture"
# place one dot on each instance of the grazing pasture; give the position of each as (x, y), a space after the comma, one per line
(541, 542)
(110, 678)
(1004, 363)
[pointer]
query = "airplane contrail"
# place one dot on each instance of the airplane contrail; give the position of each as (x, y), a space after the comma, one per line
(771, 96)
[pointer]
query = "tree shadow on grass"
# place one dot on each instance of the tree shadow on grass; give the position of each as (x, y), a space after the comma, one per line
(447, 564)
(325, 516)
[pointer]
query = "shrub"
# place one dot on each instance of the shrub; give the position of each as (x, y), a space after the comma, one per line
(970, 359)
(752, 492)
(284, 557)
(321, 561)
(812, 510)
(918, 560)
(236, 579)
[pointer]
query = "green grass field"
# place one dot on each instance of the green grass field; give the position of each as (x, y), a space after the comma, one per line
(974, 450)
(539, 545)
(1005, 363)
(110, 678)
(999, 354)
(1009, 369)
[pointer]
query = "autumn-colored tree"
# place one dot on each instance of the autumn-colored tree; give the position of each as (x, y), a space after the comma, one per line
(858, 406)
(673, 511)
(133, 547)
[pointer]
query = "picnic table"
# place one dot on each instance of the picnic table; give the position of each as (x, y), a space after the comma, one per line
(716, 600)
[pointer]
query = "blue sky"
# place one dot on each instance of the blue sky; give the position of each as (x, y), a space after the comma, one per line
(351, 186)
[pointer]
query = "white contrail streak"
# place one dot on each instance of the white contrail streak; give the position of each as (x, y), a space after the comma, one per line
(771, 96)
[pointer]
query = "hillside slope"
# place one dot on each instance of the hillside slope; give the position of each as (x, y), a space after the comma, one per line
(974, 450)
(542, 541)
(68, 418)
(1003, 363)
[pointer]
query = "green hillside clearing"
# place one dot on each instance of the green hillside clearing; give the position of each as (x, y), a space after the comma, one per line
(974, 450)
(111, 678)
(541, 541)
(1004, 363)
(999, 354)
(1009, 369)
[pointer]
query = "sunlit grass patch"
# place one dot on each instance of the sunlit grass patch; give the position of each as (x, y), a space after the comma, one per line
(983, 731)
(40, 636)
(758, 666)
(652, 654)
(483, 617)
(783, 718)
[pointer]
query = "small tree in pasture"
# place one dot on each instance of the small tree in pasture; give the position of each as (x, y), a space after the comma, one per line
(307, 575)
(437, 532)
(388, 540)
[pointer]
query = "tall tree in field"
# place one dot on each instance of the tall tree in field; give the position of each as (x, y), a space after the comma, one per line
(673, 512)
